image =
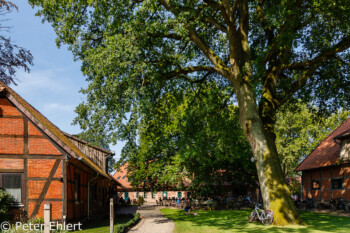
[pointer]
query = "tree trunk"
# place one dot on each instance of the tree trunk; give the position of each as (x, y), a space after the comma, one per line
(275, 192)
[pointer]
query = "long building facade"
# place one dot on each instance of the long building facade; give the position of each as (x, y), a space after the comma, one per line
(128, 192)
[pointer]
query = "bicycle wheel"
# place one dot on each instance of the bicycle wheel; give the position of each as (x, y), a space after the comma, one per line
(267, 220)
(252, 217)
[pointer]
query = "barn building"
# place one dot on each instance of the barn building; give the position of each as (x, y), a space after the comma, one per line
(326, 171)
(41, 164)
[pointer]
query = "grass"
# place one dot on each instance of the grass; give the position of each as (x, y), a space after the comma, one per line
(102, 226)
(237, 221)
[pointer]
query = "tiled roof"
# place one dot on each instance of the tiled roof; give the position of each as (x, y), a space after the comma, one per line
(346, 134)
(327, 152)
(121, 175)
(51, 130)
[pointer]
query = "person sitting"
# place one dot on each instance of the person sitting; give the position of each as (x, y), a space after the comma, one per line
(188, 209)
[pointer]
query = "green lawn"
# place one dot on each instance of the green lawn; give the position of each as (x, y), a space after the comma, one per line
(101, 226)
(237, 221)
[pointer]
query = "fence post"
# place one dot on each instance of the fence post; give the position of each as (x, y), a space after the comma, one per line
(111, 215)
(47, 217)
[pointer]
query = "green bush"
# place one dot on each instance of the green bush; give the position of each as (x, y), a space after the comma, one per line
(141, 200)
(125, 227)
(5, 204)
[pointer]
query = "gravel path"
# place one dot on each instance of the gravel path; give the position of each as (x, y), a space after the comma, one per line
(152, 221)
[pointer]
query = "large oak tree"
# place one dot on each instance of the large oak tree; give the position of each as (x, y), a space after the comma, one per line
(268, 51)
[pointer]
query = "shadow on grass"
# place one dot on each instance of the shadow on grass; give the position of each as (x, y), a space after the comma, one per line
(237, 221)
(102, 225)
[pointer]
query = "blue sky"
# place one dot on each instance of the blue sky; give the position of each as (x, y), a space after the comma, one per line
(54, 82)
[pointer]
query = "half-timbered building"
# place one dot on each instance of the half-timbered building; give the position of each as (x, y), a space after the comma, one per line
(41, 164)
(326, 171)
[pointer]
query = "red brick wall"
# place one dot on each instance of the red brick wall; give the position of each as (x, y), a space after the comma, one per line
(11, 126)
(42, 146)
(12, 142)
(54, 191)
(42, 168)
(56, 208)
(325, 175)
(11, 145)
(7, 108)
(11, 164)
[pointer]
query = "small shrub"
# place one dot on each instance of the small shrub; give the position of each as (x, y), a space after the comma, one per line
(37, 220)
(125, 227)
(5, 204)
(141, 200)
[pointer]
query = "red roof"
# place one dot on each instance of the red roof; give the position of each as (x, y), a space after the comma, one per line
(327, 152)
(121, 175)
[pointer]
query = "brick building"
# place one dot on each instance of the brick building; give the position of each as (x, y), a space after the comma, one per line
(41, 164)
(129, 192)
(326, 171)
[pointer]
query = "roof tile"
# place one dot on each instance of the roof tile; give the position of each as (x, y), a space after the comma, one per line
(327, 152)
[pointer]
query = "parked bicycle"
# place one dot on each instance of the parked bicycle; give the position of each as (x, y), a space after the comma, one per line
(307, 204)
(337, 204)
(265, 216)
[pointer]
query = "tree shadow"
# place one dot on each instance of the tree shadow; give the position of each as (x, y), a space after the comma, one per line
(237, 221)
(102, 225)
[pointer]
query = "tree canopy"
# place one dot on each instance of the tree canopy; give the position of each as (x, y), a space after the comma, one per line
(299, 129)
(197, 144)
(135, 52)
(12, 56)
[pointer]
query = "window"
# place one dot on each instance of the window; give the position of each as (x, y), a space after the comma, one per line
(337, 183)
(137, 194)
(145, 195)
(179, 195)
(153, 195)
(12, 183)
(315, 184)
(76, 187)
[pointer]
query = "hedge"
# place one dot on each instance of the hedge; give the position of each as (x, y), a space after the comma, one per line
(125, 227)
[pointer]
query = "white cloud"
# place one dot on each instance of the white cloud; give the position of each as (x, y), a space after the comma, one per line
(59, 107)
(43, 80)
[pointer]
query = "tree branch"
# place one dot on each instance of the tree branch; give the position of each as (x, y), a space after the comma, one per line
(220, 66)
(219, 26)
(243, 29)
(296, 86)
(337, 48)
(262, 19)
(190, 69)
(165, 35)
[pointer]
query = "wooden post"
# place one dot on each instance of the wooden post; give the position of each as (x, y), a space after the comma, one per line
(111, 215)
(47, 217)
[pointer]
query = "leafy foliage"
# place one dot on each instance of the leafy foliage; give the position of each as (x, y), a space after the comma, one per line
(5, 203)
(198, 141)
(12, 56)
(132, 51)
(136, 52)
(299, 130)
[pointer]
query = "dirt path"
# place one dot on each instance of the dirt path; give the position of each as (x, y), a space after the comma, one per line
(152, 221)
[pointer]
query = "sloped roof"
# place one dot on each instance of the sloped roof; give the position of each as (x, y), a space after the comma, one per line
(73, 137)
(327, 152)
(344, 135)
(50, 129)
(121, 175)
